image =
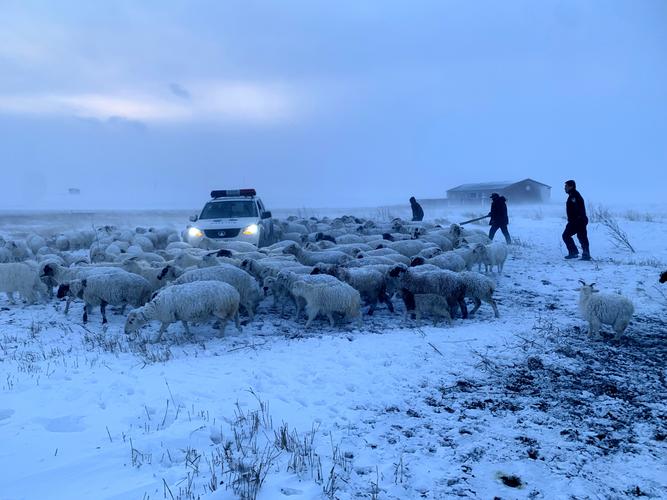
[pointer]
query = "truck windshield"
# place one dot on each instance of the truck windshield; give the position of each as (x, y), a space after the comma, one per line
(229, 209)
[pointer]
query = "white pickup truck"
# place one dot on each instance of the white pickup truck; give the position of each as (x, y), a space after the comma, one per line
(232, 215)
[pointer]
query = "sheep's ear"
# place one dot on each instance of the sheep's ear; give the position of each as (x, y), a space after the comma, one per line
(583, 283)
(596, 291)
(592, 285)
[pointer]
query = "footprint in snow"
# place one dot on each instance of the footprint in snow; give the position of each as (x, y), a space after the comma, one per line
(62, 424)
(6, 413)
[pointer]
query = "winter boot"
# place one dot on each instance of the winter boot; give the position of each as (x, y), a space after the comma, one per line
(585, 256)
(572, 256)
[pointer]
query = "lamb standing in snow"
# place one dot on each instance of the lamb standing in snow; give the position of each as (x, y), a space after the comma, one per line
(192, 302)
(604, 308)
(493, 254)
(328, 299)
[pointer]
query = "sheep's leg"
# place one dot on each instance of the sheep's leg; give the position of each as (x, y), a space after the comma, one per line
(85, 312)
(464, 308)
(331, 319)
(492, 301)
(163, 328)
(103, 310)
(477, 303)
(594, 327)
(619, 328)
(237, 322)
(312, 314)
(186, 328)
(249, 311)
(67, 303)
(10, 297)
(372, 308)
(122, 309)
(387, 300)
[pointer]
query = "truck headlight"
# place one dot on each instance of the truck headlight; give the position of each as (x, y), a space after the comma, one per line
(195, 232)
(251, 229)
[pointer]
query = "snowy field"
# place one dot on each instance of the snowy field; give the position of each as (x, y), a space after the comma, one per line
(525, 406)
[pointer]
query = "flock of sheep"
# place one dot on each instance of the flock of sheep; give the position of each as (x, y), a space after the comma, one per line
(329, 267)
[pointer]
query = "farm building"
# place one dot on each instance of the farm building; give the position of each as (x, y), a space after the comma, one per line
(524, 191)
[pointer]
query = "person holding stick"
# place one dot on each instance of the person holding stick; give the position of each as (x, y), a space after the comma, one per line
(499, 218)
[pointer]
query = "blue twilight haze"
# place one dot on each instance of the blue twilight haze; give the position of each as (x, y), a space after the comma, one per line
(348, 103)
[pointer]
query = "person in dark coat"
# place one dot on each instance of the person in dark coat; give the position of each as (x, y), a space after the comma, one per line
(577, 221)
(417, 210)
(499, 218)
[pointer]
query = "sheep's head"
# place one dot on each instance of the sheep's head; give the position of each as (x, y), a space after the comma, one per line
(135, 320)
(586, 290)
(269, 281)
(168, 271)
(396, 271)
(479, 250)
(47, 270)
(417, 261)
(455, 230)
(663, 277)
(291, 248)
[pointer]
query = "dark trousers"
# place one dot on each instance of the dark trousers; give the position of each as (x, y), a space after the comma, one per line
(578, 228)
(503, 228)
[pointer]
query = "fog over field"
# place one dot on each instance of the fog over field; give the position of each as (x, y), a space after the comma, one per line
(349, 104)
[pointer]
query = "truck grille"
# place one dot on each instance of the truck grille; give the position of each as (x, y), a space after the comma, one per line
(222, 233)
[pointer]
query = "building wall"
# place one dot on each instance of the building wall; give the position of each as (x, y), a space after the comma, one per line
(521, 192)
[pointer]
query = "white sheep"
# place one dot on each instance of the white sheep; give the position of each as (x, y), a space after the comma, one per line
(370, 283)
(244, 283)
(480, 289)
(23, 278)
(192, 302)
(430, 279)
(604, 308)
(111, 289)
(281, 287)
(493, 254)
(309, 258)
(328, 299)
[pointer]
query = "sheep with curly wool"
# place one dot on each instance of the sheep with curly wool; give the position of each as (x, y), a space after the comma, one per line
(604, 309)
(493, 254)
(111, 289)
(194, 302)
(309, 258)
(447, 260)
(328, 299)
(281, 287)
(245, 284)
(370, 283)
(448, 284)
(63, 276)
(480, 289)
(23, 278)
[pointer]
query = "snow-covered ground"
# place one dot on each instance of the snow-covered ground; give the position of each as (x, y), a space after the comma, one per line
(525, 406)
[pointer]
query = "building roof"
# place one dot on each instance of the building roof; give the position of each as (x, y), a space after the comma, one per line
(489, 186)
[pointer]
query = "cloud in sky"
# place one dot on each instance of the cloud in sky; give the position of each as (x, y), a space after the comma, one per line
(210, 102)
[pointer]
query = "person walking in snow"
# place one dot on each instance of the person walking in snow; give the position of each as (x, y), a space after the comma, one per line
(499, 218)
(417, 210)
(575, 207)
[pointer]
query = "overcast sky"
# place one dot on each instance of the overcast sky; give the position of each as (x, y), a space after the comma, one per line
(315, 104)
